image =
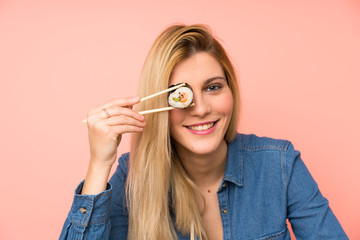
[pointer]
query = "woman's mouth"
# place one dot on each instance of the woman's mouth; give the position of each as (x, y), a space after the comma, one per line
(202, 128)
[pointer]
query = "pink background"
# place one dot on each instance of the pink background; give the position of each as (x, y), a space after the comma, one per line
(299, 68)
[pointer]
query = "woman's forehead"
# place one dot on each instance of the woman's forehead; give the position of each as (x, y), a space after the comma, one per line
(196, 70)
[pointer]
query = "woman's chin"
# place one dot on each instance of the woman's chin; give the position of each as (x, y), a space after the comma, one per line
(202, 148)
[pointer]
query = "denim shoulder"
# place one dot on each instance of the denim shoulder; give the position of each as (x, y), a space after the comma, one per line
(274, 153)
(254, 142)
(124, 163)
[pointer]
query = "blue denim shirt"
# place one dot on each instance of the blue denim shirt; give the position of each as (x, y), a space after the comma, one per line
(265, 183)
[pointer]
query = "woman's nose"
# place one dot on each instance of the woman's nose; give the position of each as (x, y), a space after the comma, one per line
(201, 108)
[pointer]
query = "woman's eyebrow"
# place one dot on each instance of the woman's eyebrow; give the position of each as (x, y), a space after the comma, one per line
(209, 80)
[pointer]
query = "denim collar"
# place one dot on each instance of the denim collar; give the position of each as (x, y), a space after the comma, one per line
(234, 170)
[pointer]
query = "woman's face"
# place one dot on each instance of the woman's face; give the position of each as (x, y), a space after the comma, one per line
(200, 129)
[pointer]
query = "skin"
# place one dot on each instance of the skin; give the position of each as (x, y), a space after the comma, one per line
(203, 152)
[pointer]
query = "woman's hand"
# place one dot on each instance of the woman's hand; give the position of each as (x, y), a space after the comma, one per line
(106, 124)
(105, 131)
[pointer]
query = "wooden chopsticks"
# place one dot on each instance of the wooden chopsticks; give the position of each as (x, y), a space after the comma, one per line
(154, 95)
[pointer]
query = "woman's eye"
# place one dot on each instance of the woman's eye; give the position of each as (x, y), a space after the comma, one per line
(212, 88)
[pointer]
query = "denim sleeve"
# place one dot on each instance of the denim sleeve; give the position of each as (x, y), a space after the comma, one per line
(308, 211)
(89, 216)
(119, 212)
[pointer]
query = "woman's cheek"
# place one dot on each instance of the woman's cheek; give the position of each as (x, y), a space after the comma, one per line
(175, 117)
(224, 103)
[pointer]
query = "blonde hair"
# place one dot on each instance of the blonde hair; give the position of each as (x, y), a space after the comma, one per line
(155, 171)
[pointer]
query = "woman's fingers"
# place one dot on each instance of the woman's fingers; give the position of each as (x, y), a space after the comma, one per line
(103, 133)
(116, 114)
(119, 111)
(113, 108)
(125, 123)
(107, 123)
(121, 129)
(124, 120)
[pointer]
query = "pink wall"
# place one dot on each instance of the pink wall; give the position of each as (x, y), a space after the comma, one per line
(298, 63)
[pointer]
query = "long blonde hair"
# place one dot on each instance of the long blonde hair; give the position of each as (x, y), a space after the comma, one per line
(159, 191)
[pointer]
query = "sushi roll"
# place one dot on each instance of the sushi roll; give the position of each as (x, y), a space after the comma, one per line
(181, 97)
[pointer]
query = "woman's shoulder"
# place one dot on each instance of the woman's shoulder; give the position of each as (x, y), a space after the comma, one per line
(272, 152)
(253, 142)
(263, 155)
(124, 163)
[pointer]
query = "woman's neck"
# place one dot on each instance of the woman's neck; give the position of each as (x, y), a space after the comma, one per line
(205, 170)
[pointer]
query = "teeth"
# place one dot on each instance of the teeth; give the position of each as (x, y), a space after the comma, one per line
(201, 127)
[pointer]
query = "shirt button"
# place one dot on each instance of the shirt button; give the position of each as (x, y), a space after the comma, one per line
(225, 211)
(224, 185)
(83, 210)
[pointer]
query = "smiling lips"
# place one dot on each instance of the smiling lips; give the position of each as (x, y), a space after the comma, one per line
(203, 128)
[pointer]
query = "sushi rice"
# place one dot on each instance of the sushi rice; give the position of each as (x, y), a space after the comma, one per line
(181, 97)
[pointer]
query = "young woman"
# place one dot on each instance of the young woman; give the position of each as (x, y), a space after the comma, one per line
(189, 174)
